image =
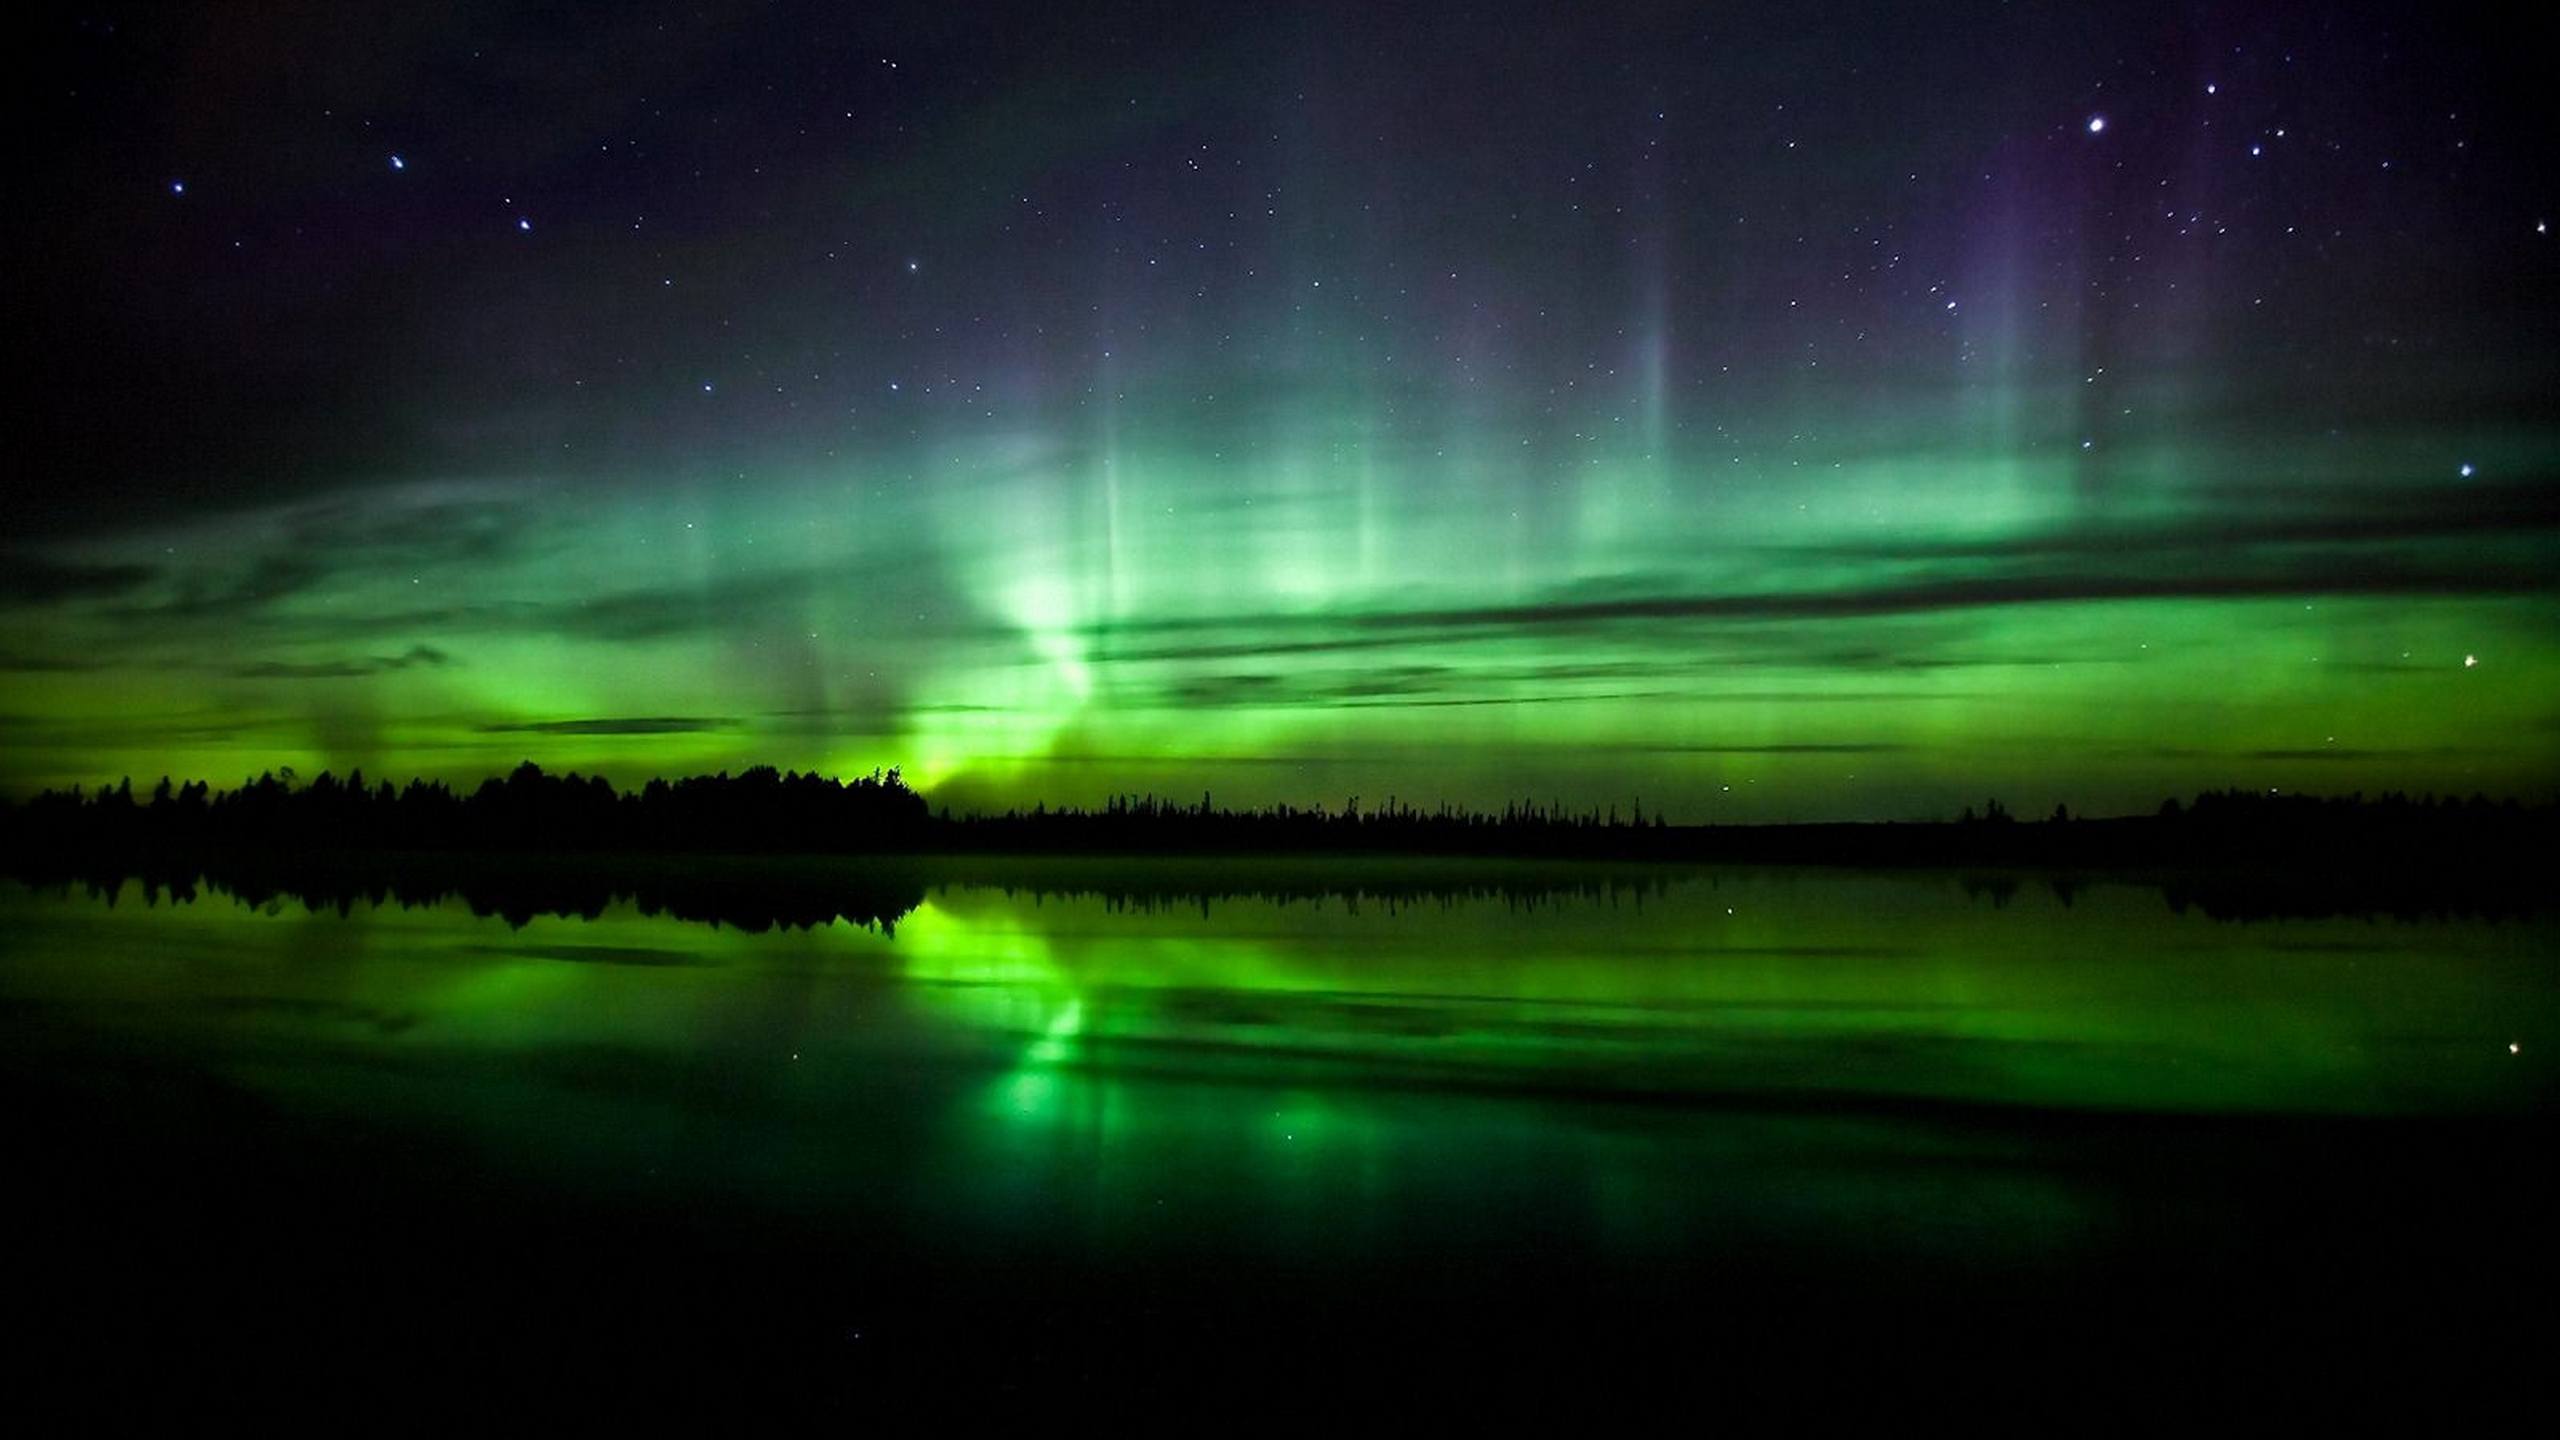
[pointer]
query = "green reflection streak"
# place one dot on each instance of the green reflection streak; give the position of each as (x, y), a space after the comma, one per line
(1816, 1059)
(1741, 987)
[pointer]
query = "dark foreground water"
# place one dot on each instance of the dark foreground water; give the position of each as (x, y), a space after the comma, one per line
(1677, 1136)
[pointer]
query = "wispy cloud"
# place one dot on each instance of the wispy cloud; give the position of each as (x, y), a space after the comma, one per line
(2313, 753)
(617, 725)
(2320, 576)
(2396, 515)
(2337, 753)
(1863, 747)
(23, 663)
(415, 655)
(28, 579)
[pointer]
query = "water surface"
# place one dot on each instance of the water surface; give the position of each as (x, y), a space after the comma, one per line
(1585, 1117)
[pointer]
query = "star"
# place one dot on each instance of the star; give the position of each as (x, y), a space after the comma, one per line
(399, 164)
(523, 224)
(2466, 471)
(2097, 124)
(177, 187)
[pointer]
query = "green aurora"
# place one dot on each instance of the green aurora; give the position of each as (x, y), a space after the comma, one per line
(1654, 441)
(1339, 614)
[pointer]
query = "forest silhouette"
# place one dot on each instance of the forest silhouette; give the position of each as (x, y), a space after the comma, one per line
(533, 842)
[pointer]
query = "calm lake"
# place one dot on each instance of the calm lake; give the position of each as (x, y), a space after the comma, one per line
(1448, 1120)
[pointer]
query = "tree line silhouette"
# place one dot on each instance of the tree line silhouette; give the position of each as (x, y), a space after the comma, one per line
(760, 811)
(533, 843)
(758, 896)
(770, 893)
(762, 895)
(764, 811)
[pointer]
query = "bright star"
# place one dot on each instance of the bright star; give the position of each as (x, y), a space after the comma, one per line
(2469, 661)
(177, 187)
(2097, 123)
(2466, 470)
(523, 224)
(399, 164)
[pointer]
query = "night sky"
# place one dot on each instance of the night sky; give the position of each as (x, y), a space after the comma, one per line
(1785, 411)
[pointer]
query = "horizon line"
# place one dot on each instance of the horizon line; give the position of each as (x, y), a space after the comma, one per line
(1551, 808)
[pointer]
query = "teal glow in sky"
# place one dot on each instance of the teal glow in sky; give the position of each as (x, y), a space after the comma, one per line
(1779, 421)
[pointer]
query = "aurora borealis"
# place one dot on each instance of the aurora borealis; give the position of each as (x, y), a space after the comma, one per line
(1767, 412)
